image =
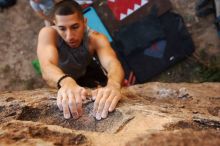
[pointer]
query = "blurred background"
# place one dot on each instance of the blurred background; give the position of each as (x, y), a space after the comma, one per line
(19, 27)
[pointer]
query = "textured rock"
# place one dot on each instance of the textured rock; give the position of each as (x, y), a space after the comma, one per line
(145, 116)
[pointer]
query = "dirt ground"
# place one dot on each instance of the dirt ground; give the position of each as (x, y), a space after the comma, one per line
(18, 41)
(19, 30)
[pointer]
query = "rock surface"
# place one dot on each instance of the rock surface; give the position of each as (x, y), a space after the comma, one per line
(149, 114)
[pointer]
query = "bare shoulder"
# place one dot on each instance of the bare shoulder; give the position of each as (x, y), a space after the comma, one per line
(96, 36)
(48, 32)
(98, 40)
(47, 35)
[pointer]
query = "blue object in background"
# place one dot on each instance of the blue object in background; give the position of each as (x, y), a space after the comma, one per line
(95, 23)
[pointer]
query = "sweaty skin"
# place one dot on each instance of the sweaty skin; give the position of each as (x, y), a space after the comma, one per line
(70, 96)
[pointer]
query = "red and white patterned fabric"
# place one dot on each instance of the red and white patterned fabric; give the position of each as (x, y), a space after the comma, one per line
(123, 8)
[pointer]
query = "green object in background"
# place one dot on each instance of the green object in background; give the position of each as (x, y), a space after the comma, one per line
(36, 66)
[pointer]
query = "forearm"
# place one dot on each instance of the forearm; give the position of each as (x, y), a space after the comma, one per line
(52, 74)
(115, 74)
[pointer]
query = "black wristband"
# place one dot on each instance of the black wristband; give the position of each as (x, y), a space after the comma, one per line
(63, 77)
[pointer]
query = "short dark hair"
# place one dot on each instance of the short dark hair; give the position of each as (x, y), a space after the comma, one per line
(67, 7)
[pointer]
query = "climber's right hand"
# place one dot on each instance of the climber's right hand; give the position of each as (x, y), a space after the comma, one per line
(69, 98)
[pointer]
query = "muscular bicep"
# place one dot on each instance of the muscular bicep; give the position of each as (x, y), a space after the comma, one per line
(104, 51)
(47, 49)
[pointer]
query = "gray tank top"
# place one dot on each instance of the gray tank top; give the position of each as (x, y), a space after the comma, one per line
(74, 61)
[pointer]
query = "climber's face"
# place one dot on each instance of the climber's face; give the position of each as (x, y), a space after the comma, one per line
(71, 28)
